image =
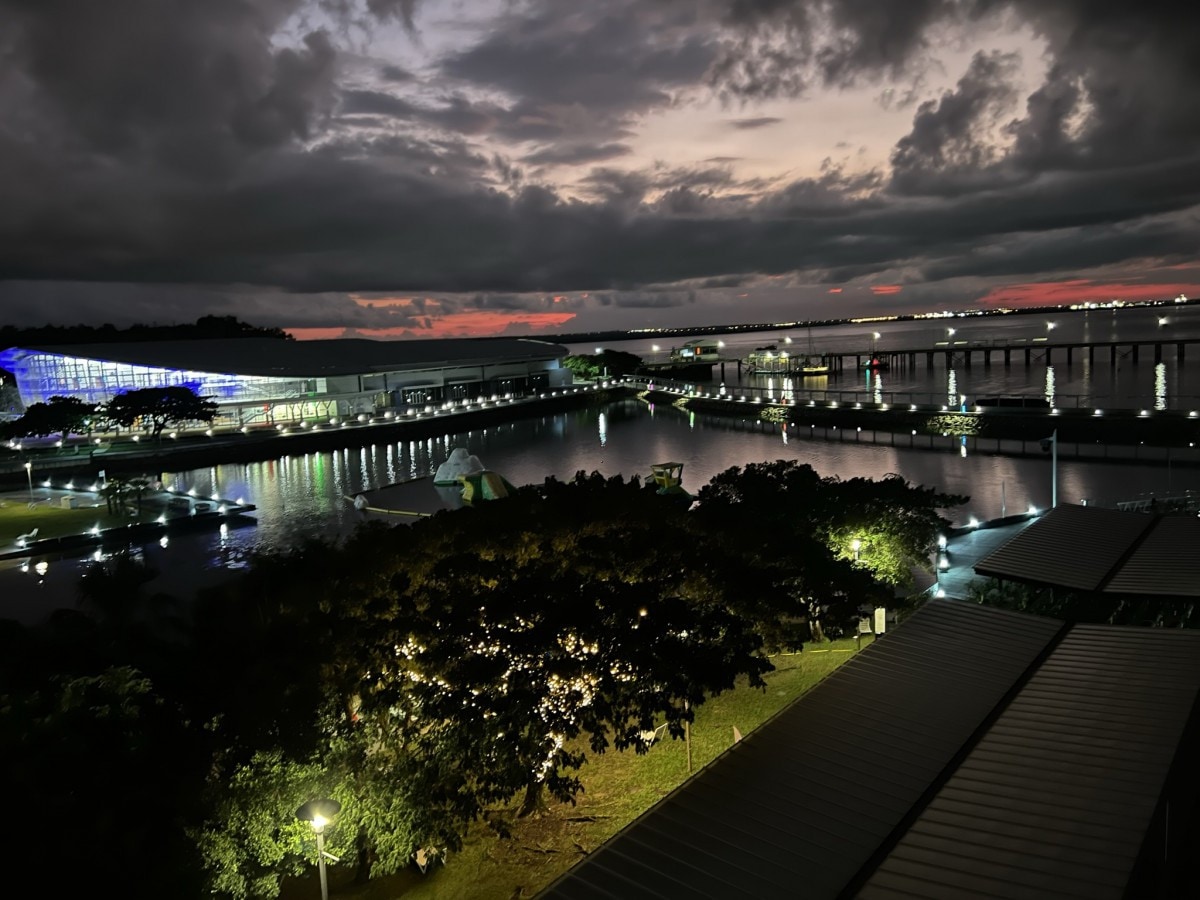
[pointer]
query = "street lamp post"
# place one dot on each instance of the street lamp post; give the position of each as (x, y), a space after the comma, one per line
(320, 813)
(856, 545)
(1051, 444)
(29, 478)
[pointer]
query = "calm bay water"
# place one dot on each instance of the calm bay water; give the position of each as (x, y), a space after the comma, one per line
(304, 495)
(1168, 385)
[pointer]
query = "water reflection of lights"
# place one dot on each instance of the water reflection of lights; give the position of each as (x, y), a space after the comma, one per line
(603, 428)
(1050, 385)
(952, 388)
(164, 541)
(42, 568)
(1160, 386)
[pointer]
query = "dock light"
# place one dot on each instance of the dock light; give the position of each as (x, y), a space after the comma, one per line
(912, 407)
(1050, 326)
(1162, 320)
(1144, 412)
(833, 404)
(1098, 412)
(949, 332)
(973, 522)
(162, 520)
(209, 432)
(941, 593)
(69, 486)
(136, 438)
(858, 406)
(46, 483)
(174, 434)
(1033, 510)
(95, 530)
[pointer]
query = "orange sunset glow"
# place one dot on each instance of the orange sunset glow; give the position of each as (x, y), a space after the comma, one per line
(474, 323)
(1081, 290)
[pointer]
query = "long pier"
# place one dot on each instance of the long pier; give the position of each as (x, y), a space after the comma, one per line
(1026, 352)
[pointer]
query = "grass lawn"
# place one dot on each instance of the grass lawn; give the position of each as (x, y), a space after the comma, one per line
(619, 787)
(51, 521)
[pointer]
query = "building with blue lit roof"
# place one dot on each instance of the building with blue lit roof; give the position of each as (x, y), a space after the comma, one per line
(265, 380)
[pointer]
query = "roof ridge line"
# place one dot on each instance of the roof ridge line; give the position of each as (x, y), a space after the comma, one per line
(1129, 551)
(888, 844)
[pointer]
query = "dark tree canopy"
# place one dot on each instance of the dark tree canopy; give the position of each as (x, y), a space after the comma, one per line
(61, 415)
(158, 406)
(206, 327)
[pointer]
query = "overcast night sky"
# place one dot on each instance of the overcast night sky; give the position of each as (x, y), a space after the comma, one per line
(415, 168)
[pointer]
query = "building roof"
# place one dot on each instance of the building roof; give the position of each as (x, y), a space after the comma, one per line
(306, 359)
(971, 752)
(1103, 550)
(1055, 799)
(809, 798)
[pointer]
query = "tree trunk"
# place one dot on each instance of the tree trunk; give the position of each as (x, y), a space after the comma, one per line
(815, 631)
(533, 801)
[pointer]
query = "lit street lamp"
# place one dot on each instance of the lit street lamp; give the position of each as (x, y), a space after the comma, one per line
(29, 478)
(320, 813)
(856, 545)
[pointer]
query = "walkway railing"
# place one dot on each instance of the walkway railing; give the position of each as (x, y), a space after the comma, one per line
(922, 399)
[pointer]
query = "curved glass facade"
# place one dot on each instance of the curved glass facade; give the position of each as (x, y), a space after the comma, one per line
(41, 376)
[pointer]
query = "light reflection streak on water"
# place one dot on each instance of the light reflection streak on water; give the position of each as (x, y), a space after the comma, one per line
(952, 388)
(1049, 391)
(602, 424)
(1160, 386)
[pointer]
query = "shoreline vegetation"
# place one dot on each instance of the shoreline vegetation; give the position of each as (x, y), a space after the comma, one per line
(497, 689)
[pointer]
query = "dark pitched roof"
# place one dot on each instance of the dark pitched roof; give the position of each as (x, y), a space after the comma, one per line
(808, 798)
(1055, 799)
(1093, 549)
(969, 753)
(309, 359)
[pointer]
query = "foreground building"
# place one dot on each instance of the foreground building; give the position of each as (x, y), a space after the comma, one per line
(258, 381)
(971, 753)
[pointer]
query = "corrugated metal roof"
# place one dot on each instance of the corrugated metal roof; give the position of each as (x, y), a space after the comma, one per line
(307, 359)
(1167, 562)
(1054, 801)
(1071, 546)
(800, 805)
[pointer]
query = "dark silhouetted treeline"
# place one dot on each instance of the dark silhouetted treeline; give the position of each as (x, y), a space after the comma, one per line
(205, 328)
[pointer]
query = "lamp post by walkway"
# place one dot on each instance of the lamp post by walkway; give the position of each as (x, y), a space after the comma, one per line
(29, 478)
(320, 813)
(1051, 444)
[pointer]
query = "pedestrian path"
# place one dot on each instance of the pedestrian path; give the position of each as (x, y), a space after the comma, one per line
(963, 551)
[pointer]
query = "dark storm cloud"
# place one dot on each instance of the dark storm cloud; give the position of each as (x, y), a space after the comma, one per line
(785, 47)
(576, 154)
(758, 122)
(194, 146)
(951, 138)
